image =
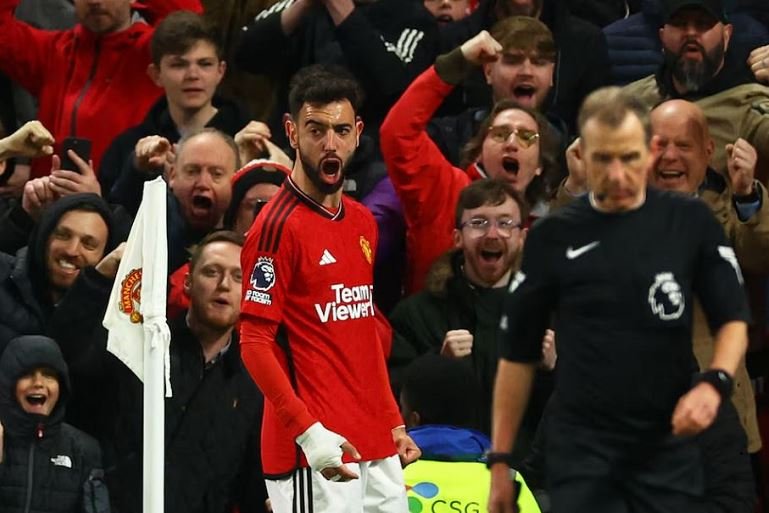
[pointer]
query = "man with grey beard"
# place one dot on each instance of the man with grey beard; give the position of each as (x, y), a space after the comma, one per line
(695, 36)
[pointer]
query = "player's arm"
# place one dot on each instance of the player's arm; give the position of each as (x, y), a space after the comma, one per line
(322, 448)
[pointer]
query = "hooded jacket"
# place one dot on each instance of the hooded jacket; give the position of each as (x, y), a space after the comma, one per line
(87, 85)
(47, 466)
(24, 296)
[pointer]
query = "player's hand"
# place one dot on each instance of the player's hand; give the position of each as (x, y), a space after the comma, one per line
(37, 196)
(31, 140)
(549, 354)
(323, 449)
(108, 265)
(502, 491)
(408, 452)
(65, 182)
(480, 49)
(457, 344)
(758, 60)
(696, 410)
(252, 141)
(741, 158)
(153, 153)
(576, 182)
(342, 472)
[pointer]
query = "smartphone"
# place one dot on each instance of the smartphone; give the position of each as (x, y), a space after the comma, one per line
(80, 146)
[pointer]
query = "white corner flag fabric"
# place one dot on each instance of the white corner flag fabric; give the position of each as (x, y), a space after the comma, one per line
(136, 314)
(138, 333)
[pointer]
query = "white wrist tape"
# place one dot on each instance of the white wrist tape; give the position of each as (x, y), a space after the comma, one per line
(321, 447)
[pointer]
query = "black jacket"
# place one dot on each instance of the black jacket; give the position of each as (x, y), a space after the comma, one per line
(450, 302)
(121, 182)
(212, 426)
(385, 44)
(582, 63)
(65, 471)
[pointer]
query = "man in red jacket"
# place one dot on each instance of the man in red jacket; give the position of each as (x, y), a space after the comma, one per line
(91, 80)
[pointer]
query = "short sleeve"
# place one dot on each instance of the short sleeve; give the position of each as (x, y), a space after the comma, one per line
(529, 302)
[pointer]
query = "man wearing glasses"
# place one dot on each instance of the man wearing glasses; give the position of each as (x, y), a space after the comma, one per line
(458, 312)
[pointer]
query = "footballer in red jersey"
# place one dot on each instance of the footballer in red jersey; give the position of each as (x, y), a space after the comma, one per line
(332, 436)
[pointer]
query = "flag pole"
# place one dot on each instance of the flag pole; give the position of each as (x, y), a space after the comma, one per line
(156, 338)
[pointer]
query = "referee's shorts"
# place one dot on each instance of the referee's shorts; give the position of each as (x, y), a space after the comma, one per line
(598, 471)
(379, 489)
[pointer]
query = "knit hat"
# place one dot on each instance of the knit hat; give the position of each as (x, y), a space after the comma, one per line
(255, 172)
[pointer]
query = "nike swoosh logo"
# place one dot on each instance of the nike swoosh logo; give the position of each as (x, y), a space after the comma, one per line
(572, 253)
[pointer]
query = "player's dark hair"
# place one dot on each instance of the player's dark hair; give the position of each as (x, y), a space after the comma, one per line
(209, 130)
(322, 84)
(443, 391)
(526, 34)
(488, 191)
(218, 236)
(180, 31)
(540, 186)
(610, 106)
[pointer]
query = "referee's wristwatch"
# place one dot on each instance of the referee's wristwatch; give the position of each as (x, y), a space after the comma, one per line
(492, 458)
(720, 379)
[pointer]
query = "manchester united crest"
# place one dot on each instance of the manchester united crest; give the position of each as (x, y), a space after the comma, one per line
(366, 248)
(131, 295)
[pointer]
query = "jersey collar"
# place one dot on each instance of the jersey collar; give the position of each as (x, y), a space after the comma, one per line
(314, 205)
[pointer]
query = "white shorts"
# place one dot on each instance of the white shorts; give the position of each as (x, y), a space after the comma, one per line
(378, 489)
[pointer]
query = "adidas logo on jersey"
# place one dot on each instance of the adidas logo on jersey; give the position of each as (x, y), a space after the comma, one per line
(327, 258)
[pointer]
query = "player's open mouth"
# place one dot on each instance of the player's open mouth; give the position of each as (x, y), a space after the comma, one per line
(444, 18)
(510, 165)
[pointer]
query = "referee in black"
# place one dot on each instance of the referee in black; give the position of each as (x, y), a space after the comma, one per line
(619, 268)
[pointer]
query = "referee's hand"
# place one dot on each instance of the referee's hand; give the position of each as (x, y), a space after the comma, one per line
(696, 410)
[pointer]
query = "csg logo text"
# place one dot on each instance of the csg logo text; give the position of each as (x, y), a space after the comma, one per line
(424, 499)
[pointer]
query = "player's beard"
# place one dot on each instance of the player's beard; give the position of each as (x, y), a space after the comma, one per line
(693, 75)
(313, 173)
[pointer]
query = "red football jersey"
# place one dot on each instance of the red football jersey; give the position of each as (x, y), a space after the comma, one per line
(311, 271)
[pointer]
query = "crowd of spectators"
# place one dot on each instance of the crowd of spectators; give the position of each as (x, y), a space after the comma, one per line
(469, 136)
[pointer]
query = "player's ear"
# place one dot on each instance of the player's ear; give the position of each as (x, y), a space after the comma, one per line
(358, 130)
(290, 127)
(187, 283)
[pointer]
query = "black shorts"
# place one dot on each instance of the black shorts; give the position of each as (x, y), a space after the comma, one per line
(595, 471)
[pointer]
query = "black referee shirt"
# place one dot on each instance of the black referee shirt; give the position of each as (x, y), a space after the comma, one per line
(621, 286)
